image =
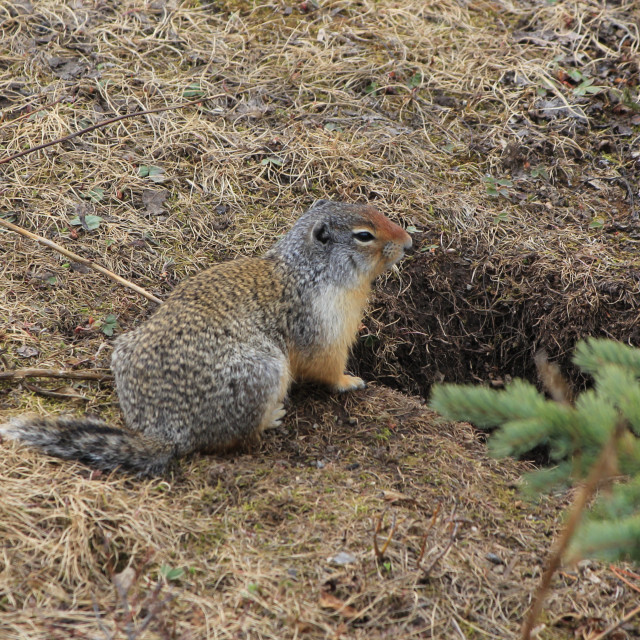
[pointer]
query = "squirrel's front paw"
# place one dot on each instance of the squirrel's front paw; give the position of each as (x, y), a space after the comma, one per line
(349, 383)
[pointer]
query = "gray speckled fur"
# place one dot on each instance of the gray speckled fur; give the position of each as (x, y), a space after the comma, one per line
(202, 380)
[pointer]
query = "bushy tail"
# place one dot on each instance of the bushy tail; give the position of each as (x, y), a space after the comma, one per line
(92, 442)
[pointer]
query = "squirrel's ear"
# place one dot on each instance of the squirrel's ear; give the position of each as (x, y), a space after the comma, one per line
(319, 203)
(321, 232)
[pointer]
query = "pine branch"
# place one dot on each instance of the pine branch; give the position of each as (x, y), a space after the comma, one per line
(592, 354)
(607, 539)
(487, 408)
(602, 470)
(593, 439)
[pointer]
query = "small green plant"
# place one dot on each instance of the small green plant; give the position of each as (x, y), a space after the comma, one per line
(171, 573)
(384, 434)
(272, 160)
(628, 100)
(497, 186)
(591, 441)
(596, 223)
(154, 173)
(540, 172)
(9, 216)
(194, 90)
(415, 80)
(89, 222)
(501, 217)
(372, 88)
(95, 195)
(587, 87)
(109, 325)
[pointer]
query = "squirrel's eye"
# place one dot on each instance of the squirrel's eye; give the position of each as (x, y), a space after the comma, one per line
(364, 236)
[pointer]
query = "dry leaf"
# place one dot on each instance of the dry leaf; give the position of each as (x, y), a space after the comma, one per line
(26, 351)
(342, 558)
(395, 496)
(328, 601)
(154, 201)
(124, 580)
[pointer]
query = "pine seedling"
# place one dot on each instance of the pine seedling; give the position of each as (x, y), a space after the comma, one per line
(591, 442)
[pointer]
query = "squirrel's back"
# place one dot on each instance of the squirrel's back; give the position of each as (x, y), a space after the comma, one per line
(179, 374)
(210, 369)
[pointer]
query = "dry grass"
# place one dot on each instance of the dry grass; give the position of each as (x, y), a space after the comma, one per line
(408, 104)
(254, 536)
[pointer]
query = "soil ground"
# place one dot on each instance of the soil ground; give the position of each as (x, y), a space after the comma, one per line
(503, 135)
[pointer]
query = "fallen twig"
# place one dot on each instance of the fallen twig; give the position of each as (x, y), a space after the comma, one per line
(21, 374)
(452, 539)
(617, 625)
(618, 573)
(54, 393)
(634, 612)
(423, 546)
(80, 259)
(377, 551)
(104, 123)
(456, 626)
(96, 611)
(154, 605)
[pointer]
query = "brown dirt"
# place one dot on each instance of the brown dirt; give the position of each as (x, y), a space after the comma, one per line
(418, 107)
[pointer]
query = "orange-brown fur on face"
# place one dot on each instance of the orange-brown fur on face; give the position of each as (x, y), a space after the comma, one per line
(391, 241)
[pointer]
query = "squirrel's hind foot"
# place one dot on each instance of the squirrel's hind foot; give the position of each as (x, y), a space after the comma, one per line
(275, 419)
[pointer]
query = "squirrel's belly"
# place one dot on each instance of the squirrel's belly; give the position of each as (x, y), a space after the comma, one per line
(339, 314)
(336, 316)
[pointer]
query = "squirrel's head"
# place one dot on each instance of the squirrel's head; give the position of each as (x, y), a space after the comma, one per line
(351, 241)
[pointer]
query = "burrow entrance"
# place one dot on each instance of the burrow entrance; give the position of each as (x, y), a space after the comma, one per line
(450, 319)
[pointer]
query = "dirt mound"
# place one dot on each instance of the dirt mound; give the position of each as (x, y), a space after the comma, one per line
(280, 543)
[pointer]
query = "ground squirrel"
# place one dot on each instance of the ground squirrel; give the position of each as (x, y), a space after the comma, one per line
(209, 370)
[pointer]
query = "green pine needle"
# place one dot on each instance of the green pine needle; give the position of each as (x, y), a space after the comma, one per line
(575, 436)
